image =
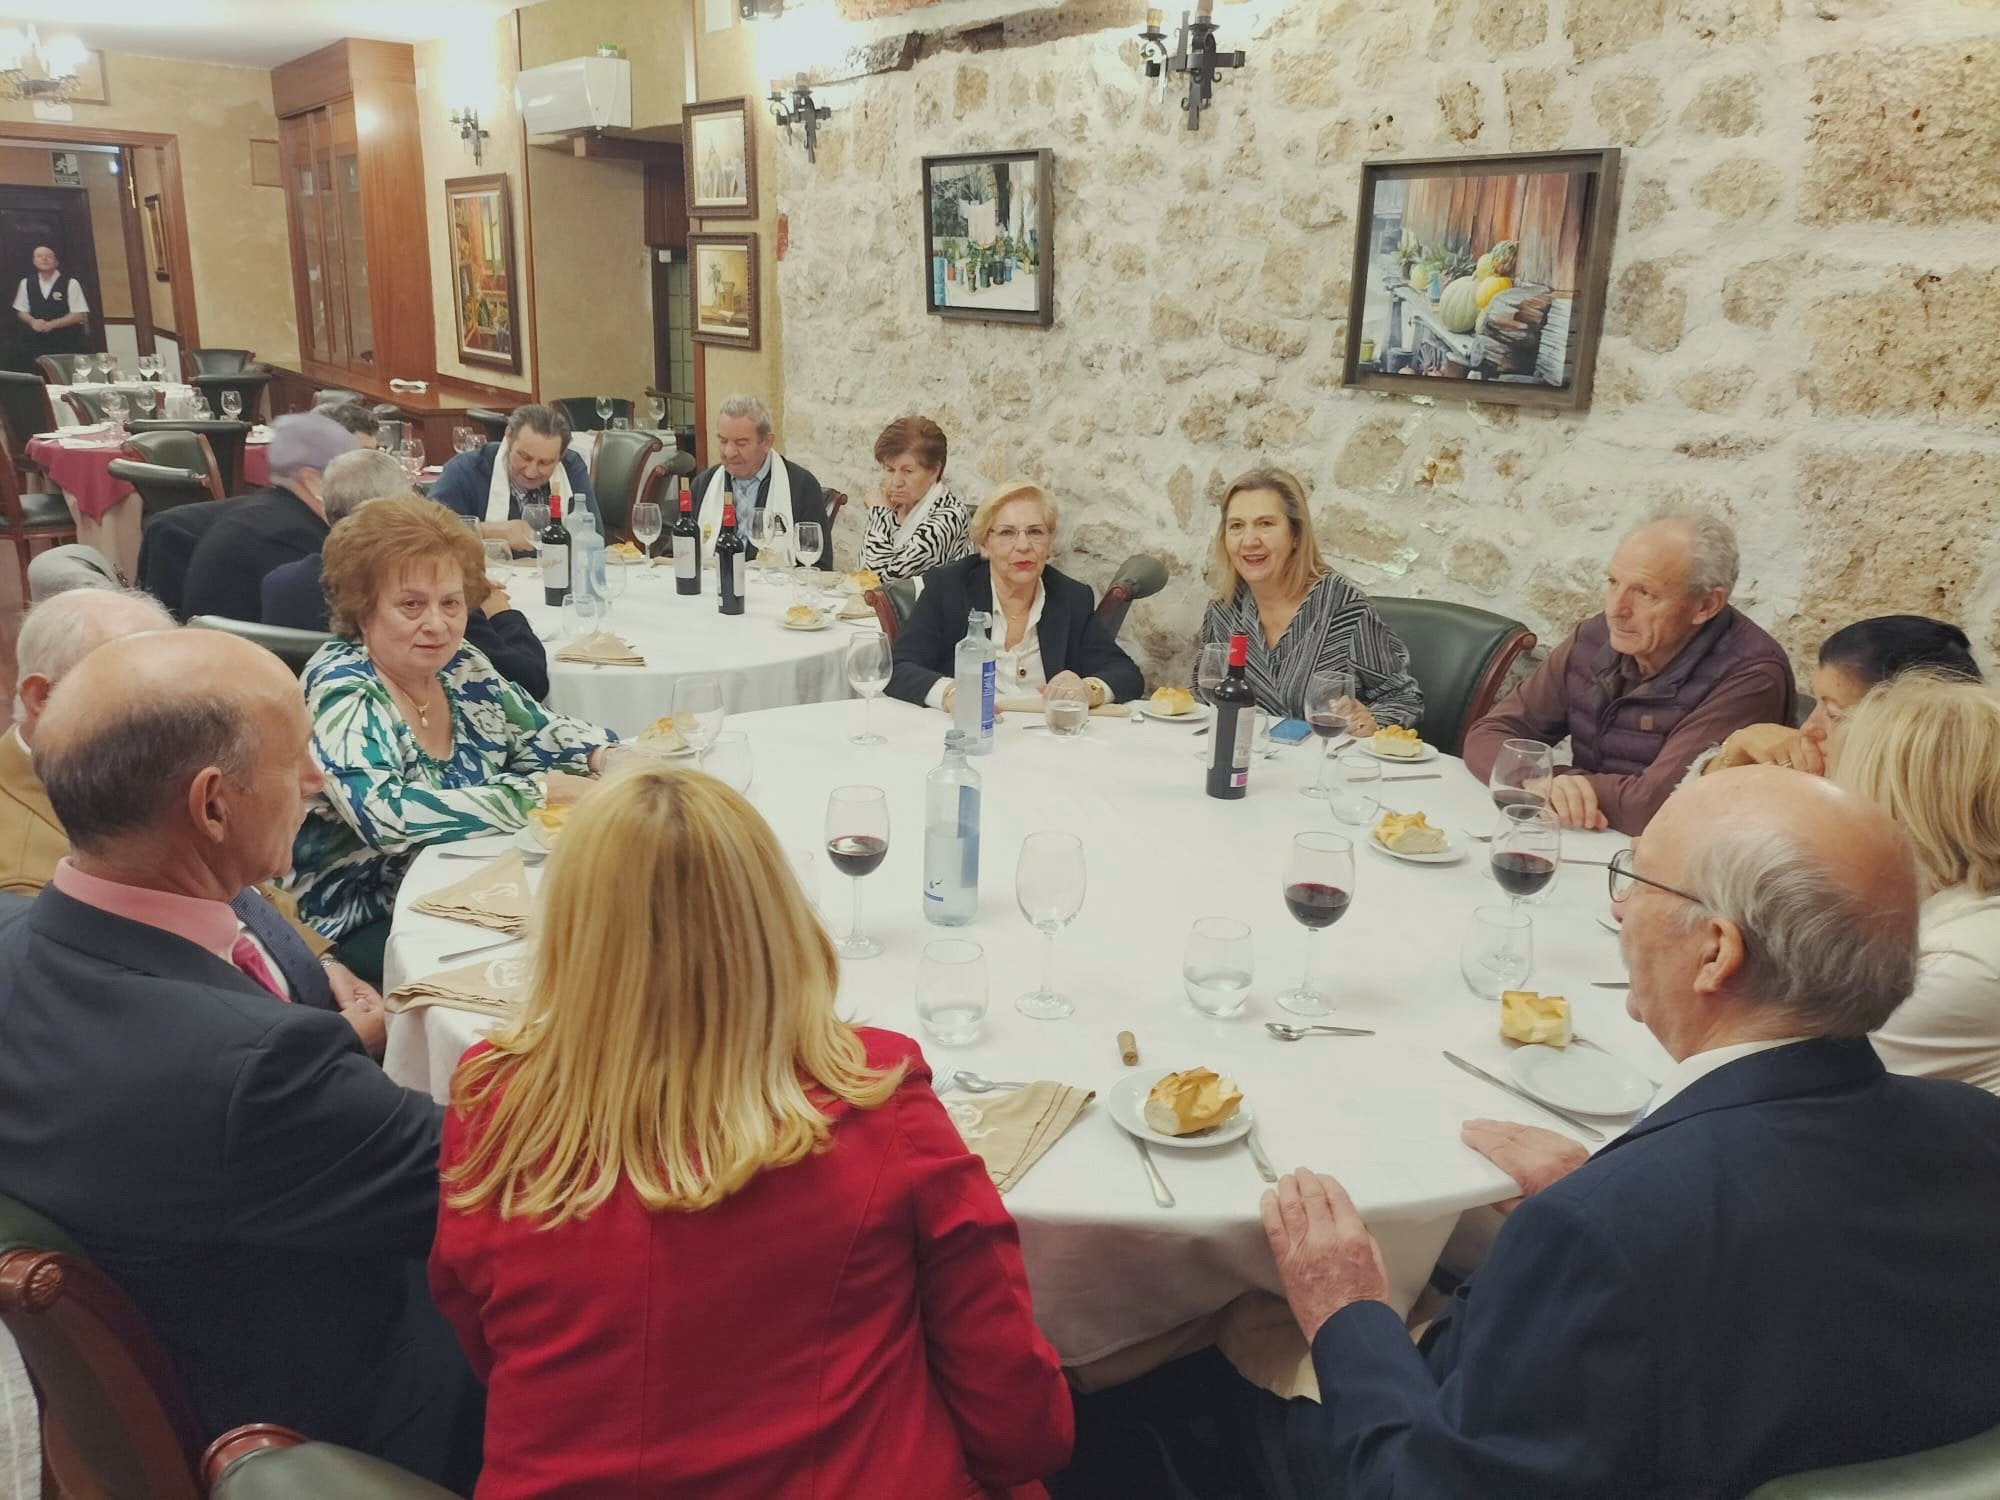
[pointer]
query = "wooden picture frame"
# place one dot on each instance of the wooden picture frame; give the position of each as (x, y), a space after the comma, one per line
(156, 237)
(486, 300)
(722, 290)
(990, 259)
(266, 164)
(91, 86)
(721, 157)
(1482, 278)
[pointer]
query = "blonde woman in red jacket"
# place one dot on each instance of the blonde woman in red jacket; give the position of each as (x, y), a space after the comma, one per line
(700, 1237)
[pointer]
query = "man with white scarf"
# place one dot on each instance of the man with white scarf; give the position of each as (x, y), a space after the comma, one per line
(492, 483)
(754, 476)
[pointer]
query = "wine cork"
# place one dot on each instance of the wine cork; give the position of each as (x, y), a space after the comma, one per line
(1128, 1048)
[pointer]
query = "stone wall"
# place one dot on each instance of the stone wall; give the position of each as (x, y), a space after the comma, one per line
(1804, 302)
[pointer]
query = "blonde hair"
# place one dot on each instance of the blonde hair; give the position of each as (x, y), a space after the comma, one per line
(671, 1041)
(364, 550)
(1925, 748)
(1013, 489)
(1303, 569)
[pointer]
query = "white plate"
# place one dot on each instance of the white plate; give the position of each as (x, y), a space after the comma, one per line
(1429, 753)
(822, 623)
(1450, 854)
(1194, 715)
(1127, 1103)
(1579, 1079)
(618, 560)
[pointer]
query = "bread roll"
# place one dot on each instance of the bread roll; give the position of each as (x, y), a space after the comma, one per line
(1186, 1102)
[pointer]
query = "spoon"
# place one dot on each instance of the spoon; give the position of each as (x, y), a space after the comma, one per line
(1610, 927)
(1286, 1033)
(973, 1083)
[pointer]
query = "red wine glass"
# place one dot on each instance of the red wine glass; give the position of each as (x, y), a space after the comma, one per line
(1521, 773)
(1329, 698)
(1527, 848)
(857, 841)
(1319, 884)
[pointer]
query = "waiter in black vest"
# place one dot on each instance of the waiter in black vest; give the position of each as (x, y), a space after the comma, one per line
(52, 308)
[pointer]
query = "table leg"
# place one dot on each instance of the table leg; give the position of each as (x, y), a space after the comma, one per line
(115, 533)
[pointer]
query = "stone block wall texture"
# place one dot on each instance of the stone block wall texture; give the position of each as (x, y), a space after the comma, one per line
(1803, 307)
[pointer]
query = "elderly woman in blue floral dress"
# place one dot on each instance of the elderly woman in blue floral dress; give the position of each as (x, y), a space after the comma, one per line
(420, 739)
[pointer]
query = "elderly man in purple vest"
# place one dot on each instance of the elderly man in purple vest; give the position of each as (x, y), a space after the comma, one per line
(1667, 670)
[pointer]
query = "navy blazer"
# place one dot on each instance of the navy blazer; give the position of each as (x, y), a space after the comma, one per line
(1789, 1266)
(463, 484)
(244, 1172)
(1072, 637)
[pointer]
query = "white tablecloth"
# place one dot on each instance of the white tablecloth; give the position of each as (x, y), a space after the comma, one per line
(1382, 1113)
(760, 663)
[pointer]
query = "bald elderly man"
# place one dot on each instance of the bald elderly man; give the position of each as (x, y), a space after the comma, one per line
(238, 1165)
(1783, 1265)
(1667, 670)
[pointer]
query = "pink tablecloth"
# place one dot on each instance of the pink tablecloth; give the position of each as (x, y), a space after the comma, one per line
(82, 467)
(256, 466)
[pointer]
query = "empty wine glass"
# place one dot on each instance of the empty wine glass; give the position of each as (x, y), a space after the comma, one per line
(729, 760)
(1210, 668)
(656, 410)
(605, 407)
(869, 661)
(1498, 952)
(149, 364)
(107, 366)
(698, 711)
(499, 557)
(1216, 965)
(807, 539)
(611, 583)
(232, 404)
(411, 451)
(116, 410)
(1319, 886)
(1356, 794)
(1527, 847)
(1521, 772)
(582, 615)
(951, 990)
(619, 424)
(1049, 884)
(758, 534)
(648, 521)
(536, 514)
(1328, 695)
(466, 439)
(857, 841)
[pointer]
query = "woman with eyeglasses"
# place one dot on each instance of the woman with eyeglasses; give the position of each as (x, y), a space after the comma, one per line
(1044, 623)
(1851, 661)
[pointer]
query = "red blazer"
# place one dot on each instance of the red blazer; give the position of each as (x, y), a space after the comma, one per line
(856, 1324)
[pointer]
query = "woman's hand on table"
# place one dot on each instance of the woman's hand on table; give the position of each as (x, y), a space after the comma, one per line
(1533, 1157)
(1360, 722)
(559, 787)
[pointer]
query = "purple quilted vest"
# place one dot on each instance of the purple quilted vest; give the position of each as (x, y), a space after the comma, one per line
(1623, 734)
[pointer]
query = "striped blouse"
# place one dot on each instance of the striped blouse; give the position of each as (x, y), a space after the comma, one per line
(386, 796)
(1335, 630)
(935, 533)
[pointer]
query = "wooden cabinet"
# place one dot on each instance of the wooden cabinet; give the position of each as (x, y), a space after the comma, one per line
(354, 198)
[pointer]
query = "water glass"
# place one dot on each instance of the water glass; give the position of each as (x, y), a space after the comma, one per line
(1498, 952)
(1049, 884)
(1067, 711)
(729, 760)
(1216, 965)
(499, 557)
(620, 424)
(698, 711)
(581, 616)
(1355, 795)
(951, 990)
(868, 664)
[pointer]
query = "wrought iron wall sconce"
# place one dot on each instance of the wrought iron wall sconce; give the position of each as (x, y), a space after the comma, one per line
(1195, 57)
(466, 122)
(802, 111)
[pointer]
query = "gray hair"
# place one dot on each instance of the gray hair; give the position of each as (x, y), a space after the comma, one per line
(1713, 561)
(357, 417)
(546, 421)
(135, 768)
(747, 406)
(1813, 950)
(61, 631)
(355, 478)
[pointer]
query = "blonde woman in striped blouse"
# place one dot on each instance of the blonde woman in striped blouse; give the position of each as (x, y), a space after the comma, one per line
(1301, 617)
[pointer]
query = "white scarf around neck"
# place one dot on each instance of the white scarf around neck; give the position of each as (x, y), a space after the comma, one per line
(500, 489)
(777, 502)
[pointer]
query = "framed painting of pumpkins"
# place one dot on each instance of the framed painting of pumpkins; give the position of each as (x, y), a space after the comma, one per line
(1482, 278)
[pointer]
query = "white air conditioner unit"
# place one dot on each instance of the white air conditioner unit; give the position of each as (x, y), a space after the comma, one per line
(585, 93)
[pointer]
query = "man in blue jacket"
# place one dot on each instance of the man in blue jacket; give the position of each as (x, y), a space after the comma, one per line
(1786, 1264)
(492, 483)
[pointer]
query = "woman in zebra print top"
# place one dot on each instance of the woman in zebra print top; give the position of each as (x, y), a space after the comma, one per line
(1301, 617)
(914, 522)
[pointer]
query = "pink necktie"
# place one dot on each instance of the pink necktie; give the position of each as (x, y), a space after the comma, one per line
(246, 957)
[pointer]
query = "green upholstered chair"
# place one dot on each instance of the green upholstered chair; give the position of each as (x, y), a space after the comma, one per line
(582, 411)
(87, 402)
(160, 487)
(225, 442)
(493, 423)
(1460, 657)
(61, 369)
(116, 1421)
(1138, 577)
(617, 470)
(293, 647)
(218, 361)
(26, 413)
(1960, 1471)
(177, 448)
(29, 518)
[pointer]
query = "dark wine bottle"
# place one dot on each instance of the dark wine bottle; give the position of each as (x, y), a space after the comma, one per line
(1235, 725)
(555, 556)
(686, 545)
(729, 563)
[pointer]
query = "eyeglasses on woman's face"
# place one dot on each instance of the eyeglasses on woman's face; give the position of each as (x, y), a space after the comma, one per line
(1006, 536)
(1620, 879)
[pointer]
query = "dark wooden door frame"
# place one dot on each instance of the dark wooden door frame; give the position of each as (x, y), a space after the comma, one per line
(173, 203)
(139, 271)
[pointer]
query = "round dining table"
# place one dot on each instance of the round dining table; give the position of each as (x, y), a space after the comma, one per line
(1110, 1268)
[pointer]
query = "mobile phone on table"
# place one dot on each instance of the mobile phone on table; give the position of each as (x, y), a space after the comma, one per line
(1290, 731)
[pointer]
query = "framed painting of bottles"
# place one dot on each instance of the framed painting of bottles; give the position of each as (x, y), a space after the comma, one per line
(989, 236)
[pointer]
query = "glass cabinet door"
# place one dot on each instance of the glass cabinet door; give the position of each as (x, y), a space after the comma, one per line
(353, 242)
(309, 264)
(324, 125)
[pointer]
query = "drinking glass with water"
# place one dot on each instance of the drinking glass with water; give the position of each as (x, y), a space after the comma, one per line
(1216, 966)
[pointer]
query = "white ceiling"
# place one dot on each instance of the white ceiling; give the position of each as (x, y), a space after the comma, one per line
(249, 33)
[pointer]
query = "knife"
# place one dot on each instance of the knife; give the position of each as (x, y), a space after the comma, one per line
(452, 958)
(1427, 776)
(1590, 1132)
(1264, 1168)
(1611, 984)
(1161, 1195)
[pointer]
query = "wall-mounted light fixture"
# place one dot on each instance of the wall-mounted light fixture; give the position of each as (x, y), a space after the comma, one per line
(466, 123)
(760, 10)
(803, 111)
(1195, 57)
(32, 69)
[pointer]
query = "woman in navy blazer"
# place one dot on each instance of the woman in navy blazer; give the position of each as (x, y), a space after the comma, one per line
(1045, 626)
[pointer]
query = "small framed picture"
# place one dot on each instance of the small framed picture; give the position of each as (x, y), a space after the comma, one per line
(721, 160)
(723, 268)
(989, 236)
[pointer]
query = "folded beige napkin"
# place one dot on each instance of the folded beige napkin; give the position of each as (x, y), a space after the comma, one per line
(1012, 1130)
(495, 895)
(492, 987)
(602, 649)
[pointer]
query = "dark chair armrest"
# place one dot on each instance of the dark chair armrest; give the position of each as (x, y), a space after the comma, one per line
(265, 1462)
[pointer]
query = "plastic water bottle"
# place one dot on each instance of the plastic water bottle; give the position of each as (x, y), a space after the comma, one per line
(951, 837)
(973, 665)
(587, 558)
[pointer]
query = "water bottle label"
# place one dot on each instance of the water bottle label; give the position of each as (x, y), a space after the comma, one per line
(986, 676)
(685, 560)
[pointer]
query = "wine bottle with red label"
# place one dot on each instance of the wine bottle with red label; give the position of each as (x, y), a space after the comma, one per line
(729, 563)
(1234, 727)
